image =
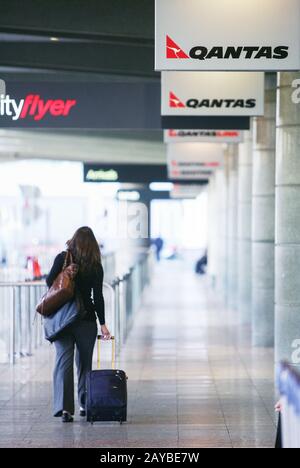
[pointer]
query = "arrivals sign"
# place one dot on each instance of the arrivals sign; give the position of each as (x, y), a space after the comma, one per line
(193, 161)
(129, 173)
(203, 136)
(227, 35)
(212, 94)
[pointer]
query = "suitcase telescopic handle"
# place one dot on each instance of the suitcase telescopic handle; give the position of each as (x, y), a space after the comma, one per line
(113, 353)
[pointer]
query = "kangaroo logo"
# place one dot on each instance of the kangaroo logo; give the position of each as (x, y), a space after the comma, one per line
(175, 102)
(174, 51)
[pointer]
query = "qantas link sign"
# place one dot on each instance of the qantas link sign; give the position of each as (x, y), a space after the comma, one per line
(220, 94)
(193, 160)
(203, 136)
(194, 35)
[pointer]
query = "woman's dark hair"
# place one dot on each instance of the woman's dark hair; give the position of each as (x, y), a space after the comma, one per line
(85, 250)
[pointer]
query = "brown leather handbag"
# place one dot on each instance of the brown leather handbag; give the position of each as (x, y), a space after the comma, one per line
(62, 291)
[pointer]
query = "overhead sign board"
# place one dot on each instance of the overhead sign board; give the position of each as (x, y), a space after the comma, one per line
(193, 161)
(212, 94)
(125, 173)
(224, 35)
(2, 88)
(203, 136)
(105, 105)
(205, 122)
(129, 173)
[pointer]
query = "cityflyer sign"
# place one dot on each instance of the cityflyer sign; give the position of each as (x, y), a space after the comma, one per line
(34, 107)
(212, 94)
(80, 105)
(193, 161)
(203, 136)
(227, 35)
(2, 88)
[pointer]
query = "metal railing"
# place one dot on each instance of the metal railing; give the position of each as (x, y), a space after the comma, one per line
(21, 330)
(15, 273)
(289, 387)
(109, 265)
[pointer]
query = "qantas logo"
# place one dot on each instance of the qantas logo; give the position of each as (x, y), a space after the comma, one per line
(193, 103)
(32, 106)
(175, 102)
(174, 51)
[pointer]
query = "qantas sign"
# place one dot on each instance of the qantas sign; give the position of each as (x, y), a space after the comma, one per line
(224, 93)
(195, 103)
(193, 160)
(173, 51)
(205, 136)
(203, 133)
(227, 35)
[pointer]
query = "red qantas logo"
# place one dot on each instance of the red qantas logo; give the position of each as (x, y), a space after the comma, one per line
(174, 51)
(35, 107)
(175, 102)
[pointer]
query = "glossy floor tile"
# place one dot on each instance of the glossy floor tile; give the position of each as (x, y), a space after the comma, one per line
(194, 380)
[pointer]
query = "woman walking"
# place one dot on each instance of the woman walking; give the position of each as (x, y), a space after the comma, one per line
(81, 336)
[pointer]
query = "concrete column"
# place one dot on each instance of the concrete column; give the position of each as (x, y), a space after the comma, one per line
(232, 228)
(244, 228)
(263, 220)
(287, 224)
(213, 238)
(221, 188)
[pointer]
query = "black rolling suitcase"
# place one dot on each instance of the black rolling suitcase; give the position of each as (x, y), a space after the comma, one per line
(106, 397)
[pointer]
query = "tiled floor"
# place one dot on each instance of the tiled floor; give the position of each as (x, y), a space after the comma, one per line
(194, 381)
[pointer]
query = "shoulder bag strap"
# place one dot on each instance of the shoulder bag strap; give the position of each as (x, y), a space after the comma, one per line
(68, 260)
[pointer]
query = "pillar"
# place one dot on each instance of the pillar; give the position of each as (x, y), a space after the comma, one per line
(221, 188)
(287, 223)
(213, 238)
(263, 220)
(232, 228)
(244, 229)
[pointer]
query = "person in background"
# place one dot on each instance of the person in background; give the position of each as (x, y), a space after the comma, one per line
(81, 336)
(202, 264)
(34, 268)
(37, 271)
(174, 255)
(159, 245)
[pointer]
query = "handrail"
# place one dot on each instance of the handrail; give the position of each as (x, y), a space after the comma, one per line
(22, 283)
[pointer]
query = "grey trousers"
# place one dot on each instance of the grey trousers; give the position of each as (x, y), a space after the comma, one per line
(81, 336)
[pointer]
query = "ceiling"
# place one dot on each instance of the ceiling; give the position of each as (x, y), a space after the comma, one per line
(86, 146)
(90, 36)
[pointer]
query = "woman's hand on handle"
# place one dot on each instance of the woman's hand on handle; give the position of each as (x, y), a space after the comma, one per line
(105, 332)
(278, 407)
